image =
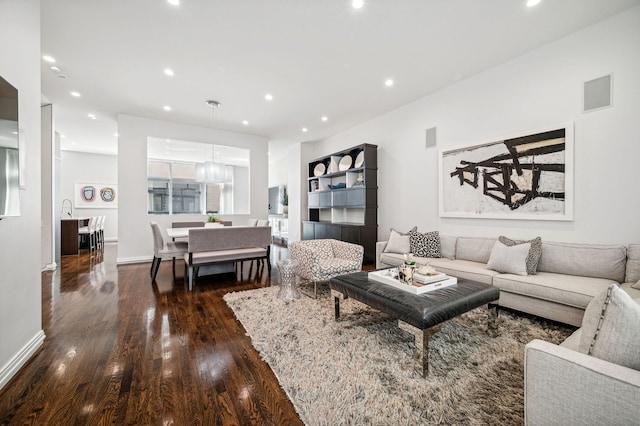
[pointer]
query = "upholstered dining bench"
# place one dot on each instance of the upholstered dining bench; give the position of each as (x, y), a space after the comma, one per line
(233, 243)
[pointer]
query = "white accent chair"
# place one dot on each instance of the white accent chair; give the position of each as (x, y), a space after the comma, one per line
(321, 260)
(165, 250)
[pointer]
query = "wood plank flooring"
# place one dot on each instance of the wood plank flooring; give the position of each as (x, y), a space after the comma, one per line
(120, 350)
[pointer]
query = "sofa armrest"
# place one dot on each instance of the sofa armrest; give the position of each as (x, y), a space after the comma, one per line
(380, 246)
(563, 386)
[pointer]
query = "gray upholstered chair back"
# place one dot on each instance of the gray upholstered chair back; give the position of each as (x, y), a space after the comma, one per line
(228, 238)
(158, 239)
(187, 224)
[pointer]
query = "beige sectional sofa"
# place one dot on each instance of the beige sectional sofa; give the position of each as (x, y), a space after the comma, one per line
(568, 275)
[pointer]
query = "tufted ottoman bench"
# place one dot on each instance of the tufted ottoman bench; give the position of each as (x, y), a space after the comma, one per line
(422, 314)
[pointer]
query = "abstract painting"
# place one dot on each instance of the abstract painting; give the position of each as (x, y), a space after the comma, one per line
(96, 196)
(526, 176)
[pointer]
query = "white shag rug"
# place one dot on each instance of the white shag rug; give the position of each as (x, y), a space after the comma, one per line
(361, 370)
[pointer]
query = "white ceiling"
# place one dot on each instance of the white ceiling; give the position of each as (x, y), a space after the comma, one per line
(317, 57)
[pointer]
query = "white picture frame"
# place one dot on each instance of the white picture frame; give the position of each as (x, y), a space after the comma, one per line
(538, 164)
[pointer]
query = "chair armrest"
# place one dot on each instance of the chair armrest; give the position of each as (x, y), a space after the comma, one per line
(309, 261)
(563, 386)
(380, 246)
(349, 251)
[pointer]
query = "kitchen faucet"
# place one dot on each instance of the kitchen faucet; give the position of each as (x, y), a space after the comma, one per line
(70, 212)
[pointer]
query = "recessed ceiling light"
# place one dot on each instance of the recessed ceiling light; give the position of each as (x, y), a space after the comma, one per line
(55, 68)
(388, 82)
(62, 136)
(304, 129)
(531, 3)
(357, 4)
(166, 108)
(268, 97)
(73, 143)
(245, 122)
(92, 116)
(169, 72)
(324, 118)
(48, 58)
(116, 135)
(174, 2)
(75, 94)
(15, 133)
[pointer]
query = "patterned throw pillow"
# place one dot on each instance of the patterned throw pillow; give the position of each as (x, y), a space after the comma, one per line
(534, 252)
(425, 245)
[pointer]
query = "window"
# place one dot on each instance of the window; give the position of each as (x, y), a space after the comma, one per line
(177, 184)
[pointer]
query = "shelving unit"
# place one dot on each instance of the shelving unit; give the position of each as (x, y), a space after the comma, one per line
(343, 198)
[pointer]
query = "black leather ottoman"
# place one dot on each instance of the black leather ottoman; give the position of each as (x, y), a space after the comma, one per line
(421, 315)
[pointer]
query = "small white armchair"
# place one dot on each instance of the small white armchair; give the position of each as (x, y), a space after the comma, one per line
(321, 260)
(165, 250)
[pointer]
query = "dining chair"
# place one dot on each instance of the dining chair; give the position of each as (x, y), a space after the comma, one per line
(165, 250)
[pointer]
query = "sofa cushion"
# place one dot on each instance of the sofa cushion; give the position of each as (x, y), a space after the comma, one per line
(474, 249)
(633, 264)
(464, 269)
(573, 342)
(425, 244)
(632, 290)
(448, 246)
(611, 328)
(566, 289)
(588, 260)
(398, 243)
(534, 252)
(509, 259)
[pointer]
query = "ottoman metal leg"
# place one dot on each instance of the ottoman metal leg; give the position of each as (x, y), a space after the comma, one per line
(492, 320)
(421, 338)
(336, 302)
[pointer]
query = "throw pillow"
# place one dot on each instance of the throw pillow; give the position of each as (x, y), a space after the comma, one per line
(534, 253)
(398, 243)
(509, 260)
(611, 328)
(636, 285)
(252, 222)
(425, 244)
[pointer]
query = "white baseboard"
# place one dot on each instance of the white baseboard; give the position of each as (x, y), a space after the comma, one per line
(50, 266)
(111, 240)
(136, 259)
(15, 364)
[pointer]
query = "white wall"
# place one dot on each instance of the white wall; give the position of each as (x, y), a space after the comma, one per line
(134, 234)
(82, 167)
(20, 283)
(541, 88)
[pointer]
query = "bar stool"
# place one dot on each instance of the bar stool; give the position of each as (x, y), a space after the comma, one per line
(89, 231)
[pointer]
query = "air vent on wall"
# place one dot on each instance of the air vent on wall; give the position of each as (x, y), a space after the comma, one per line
(597, 93)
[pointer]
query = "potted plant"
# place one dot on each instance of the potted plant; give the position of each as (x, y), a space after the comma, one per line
(213, 221)
(284, 200)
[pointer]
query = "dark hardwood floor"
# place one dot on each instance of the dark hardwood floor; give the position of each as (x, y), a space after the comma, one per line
(120, 350)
